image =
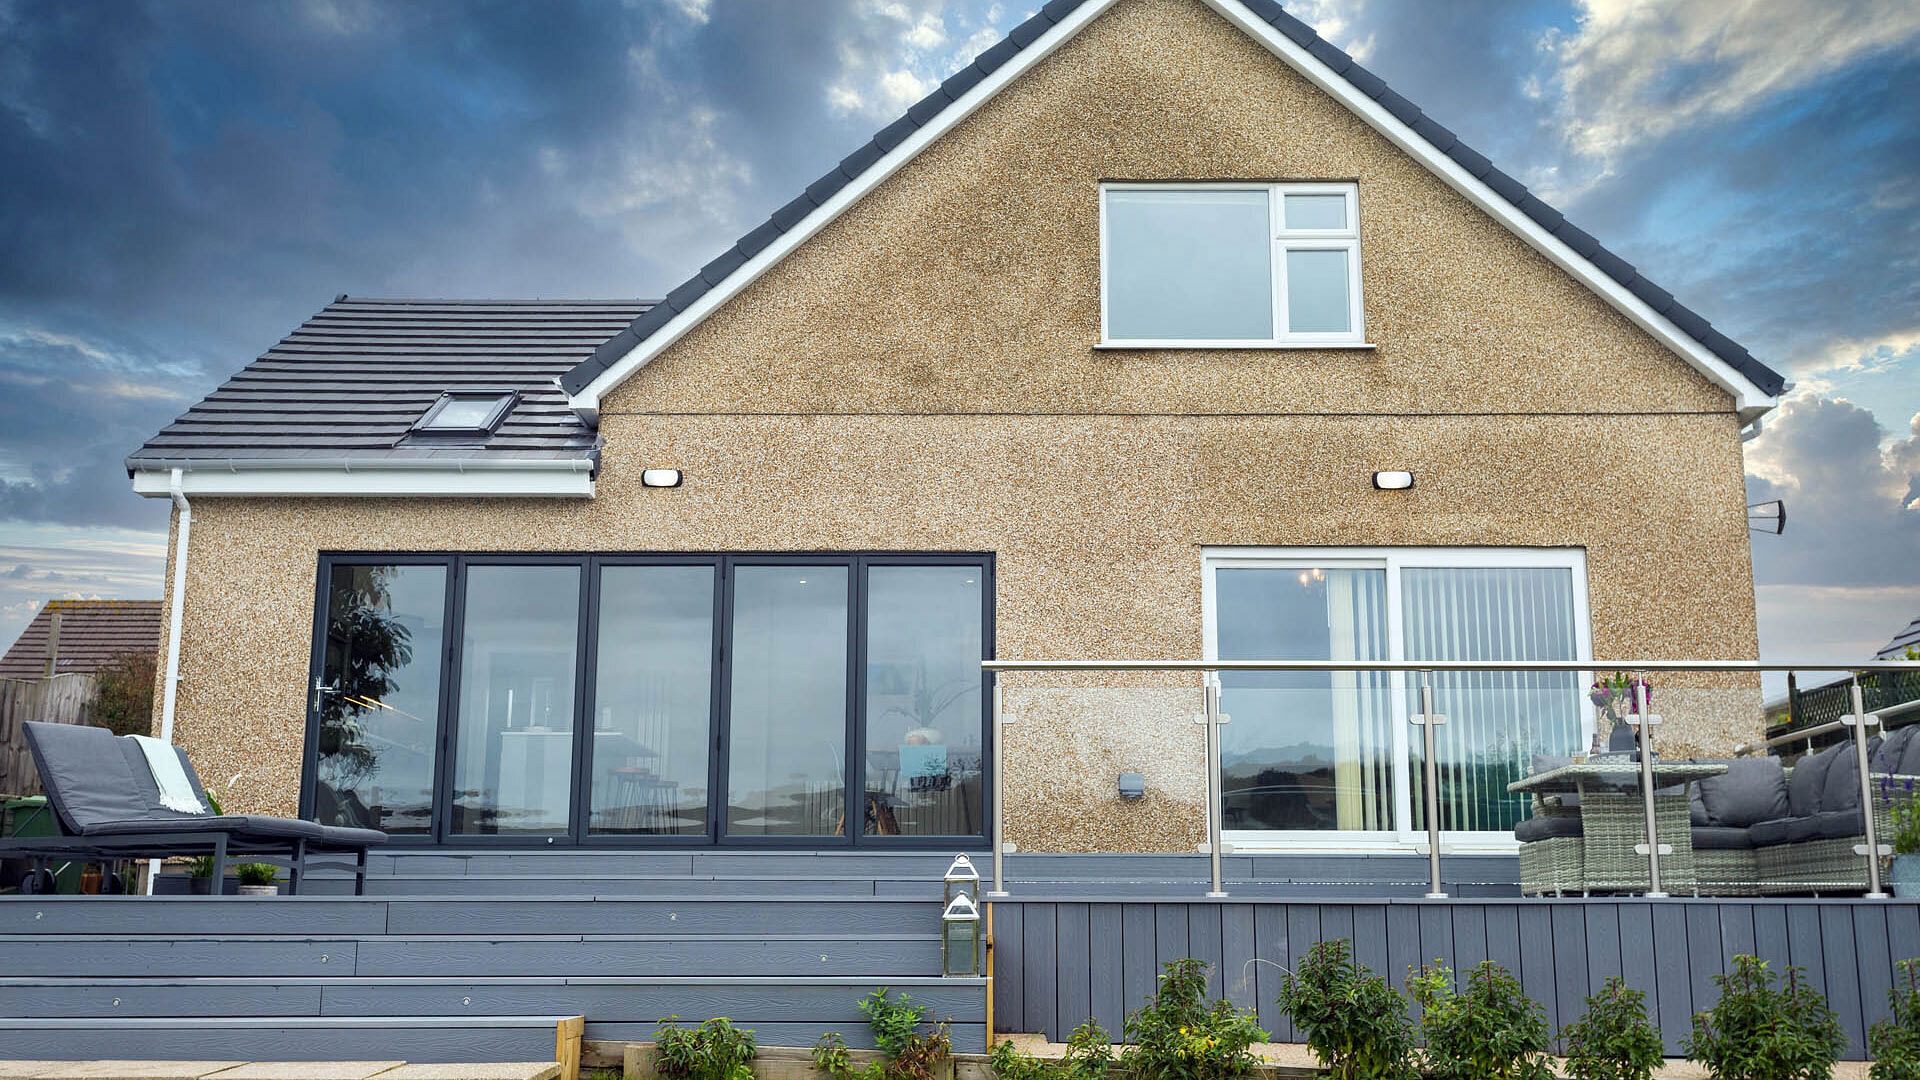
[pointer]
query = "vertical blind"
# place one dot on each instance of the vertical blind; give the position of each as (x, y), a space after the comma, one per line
(1496, 721)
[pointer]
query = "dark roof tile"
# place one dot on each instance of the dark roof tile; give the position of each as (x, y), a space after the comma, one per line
(995, 57)
(895, 133)
(689, 291)
(1689, 322)
(1581, 241)
(1547, 217)
(1287, 24)
(1615, 267)
(716, 271)
(757, 240)
(961, 81)
(1505, 186)
(822, 189)
(1436, 133)
(1330, 54)
(1028, 32)
(1470, 159)
(1655, 297)
(1055, 10)
(929, 107)
(1403, 110)
(351, 381)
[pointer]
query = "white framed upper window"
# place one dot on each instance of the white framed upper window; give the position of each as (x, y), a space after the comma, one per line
(1230, 265)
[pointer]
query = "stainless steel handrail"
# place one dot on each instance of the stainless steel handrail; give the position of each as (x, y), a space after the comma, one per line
(1858, 722)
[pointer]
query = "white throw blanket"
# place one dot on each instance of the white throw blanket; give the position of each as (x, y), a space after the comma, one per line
(176, 791)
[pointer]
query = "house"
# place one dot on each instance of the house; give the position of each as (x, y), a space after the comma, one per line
(1164, 330)
(1091, 354)
(81, 637)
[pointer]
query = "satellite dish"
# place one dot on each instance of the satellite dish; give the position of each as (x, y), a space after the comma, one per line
(1767, 517)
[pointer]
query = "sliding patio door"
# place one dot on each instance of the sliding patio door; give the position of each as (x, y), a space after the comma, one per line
(1325, 759)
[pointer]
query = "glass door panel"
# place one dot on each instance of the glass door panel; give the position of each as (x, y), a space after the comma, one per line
(1496, 721)
(652, 711)
(787, 701)
(923, 706)
(513, 743)
(378, 705)
(1305, 751)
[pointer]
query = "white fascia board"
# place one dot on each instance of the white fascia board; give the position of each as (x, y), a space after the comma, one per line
(561, 480)
(1749, 399)
(587, 401)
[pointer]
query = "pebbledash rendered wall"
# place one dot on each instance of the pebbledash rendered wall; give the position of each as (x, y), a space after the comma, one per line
(921, 375)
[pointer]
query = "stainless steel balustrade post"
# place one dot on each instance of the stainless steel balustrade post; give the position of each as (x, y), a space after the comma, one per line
(1858, 722)
(1212, 719)
(1430, 768)
(999, 891)
(1644, 721)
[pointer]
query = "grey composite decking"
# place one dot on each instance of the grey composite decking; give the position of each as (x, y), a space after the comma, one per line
(140, 976)
(1059, 963)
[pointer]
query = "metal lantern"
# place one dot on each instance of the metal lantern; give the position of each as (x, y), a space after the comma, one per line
(960, 938)
(960, 879)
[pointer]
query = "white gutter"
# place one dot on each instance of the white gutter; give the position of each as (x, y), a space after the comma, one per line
(175, 616)
(374, 477)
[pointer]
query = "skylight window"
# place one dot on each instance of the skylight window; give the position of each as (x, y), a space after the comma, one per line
(466, 412)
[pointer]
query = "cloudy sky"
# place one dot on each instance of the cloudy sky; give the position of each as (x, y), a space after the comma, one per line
(181, 183)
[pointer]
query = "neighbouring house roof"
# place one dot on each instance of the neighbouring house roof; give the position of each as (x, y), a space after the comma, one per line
(93, 633)
(805, 211)
(1902, 641)
(350, 383)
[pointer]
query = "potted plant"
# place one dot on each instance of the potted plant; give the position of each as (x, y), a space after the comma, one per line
(257, 879)
(200, 875)
(1616, 698)
(1903, 813)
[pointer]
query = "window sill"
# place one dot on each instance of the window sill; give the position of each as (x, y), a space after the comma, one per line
(1267, 346)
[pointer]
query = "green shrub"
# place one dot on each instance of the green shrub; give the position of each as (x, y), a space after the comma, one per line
(254, 873)
(1354, 1021)
(1613, 1041)
(1895, 1042)
(1089, 1057)
(1179, 1036)
(716, 1050)
(893, 1020)
(1492, 1031)
(911, 1054)
(1766, 1028)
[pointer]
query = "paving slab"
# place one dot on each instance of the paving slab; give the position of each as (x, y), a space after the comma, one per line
(136, 1070)
(511, 1070)
(308, 1070)
(10, 1070)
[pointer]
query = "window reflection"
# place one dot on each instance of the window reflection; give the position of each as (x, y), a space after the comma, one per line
(787, 736)
(379, 699)
(923, 704)
(652, 719)
(513, 770)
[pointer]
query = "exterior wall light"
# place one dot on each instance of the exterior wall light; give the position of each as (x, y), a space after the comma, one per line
(660, 478)
(1393, 480)
(960, 938)
(1133, 785)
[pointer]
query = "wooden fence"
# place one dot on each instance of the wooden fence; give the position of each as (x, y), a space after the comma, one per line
(1056, 964)
(63, 699)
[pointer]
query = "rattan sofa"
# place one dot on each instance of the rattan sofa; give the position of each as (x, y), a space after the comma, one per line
(1759, 829)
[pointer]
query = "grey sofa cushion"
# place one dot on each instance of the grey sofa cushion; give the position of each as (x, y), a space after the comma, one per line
(1888, 756)
(1721, 838)
(1906, 762)
(1804, 783)
(1838, 825)
(1789, 830)
(1752, 790)
(1548, 828)
(1841, 788)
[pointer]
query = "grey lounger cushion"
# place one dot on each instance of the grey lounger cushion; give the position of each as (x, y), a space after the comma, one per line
(1752, 790)
(246, 825)
(346, 836)
(1805, 783)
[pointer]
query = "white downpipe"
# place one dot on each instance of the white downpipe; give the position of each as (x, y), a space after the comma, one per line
(170, 688)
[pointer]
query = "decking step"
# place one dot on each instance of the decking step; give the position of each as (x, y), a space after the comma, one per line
(203, 916)
(822, 1003)
(283, 1038)
(472, 956)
